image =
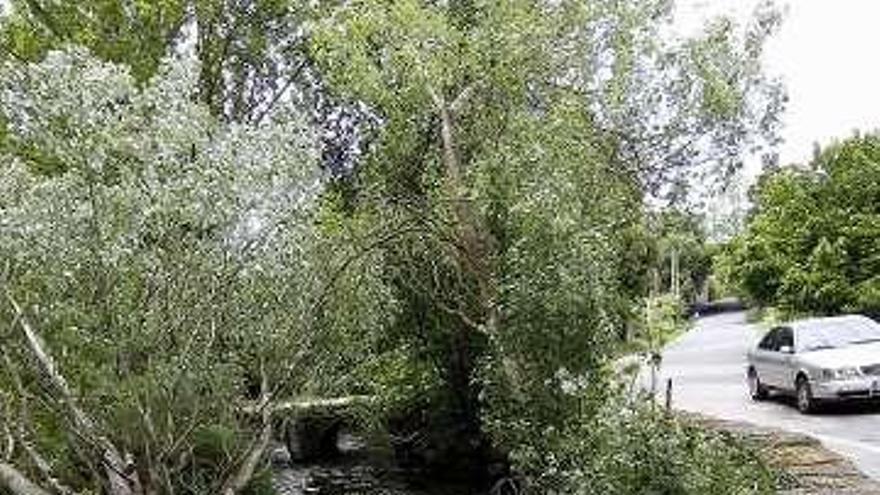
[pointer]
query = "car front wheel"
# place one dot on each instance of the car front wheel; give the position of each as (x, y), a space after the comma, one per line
(806, 404)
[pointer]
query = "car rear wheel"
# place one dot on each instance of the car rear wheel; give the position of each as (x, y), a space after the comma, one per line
(806, 404)
(757, 390)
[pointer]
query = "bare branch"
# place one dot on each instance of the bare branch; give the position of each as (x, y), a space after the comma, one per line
(278, 94)
(459, 313)
(462, 100)
(6, 420)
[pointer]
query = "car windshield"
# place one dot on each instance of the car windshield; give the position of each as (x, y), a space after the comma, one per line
(832, 333)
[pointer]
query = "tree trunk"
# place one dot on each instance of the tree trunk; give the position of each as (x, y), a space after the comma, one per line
(241, 478)
(675, 281)
(17, 483)
(238, 481)
(473, 244)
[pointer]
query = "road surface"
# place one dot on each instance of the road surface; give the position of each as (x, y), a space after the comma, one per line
(707, 366)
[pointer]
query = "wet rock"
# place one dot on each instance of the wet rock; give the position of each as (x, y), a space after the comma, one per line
(279, 456)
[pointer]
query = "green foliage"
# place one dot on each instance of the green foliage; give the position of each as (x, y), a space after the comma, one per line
(812, 241)
(173, 265)
(214, 446)
(633, 448)
(681, 241)
(560, 289)
(476, 231)
(261, 484)
(660, 454)
(249, 51)
(664, 320)
(177, 254)
(681, 108)
(522, 203)
(137, 33)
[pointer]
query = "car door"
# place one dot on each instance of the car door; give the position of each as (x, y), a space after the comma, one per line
(784, 361)
(764, 358)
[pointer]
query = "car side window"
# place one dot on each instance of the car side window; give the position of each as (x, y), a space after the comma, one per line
(768, 343)
(785, 338)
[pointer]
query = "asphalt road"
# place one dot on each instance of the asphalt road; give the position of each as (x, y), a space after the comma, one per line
(707, 366)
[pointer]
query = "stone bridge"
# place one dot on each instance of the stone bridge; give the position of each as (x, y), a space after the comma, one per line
(310, 428)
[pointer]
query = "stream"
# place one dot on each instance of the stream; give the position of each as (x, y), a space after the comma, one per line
(355, 472)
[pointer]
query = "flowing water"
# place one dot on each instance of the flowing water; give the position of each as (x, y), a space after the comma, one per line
(354, 473)
(340, 479)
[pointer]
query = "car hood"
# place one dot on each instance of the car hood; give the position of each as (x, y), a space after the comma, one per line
(854, 355)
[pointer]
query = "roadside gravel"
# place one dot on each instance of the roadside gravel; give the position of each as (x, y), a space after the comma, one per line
(807, 467)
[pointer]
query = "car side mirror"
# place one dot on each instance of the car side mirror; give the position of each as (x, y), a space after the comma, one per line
(786, 349)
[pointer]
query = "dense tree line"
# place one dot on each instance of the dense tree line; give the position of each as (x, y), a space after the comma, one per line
(210, 206)
(812, 245)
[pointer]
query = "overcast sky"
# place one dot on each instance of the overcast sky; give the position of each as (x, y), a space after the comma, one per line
(826, 55)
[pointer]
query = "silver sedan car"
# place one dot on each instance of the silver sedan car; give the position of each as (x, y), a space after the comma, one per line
(818, 360)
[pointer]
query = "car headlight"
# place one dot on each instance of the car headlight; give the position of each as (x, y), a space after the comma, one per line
(840, 373)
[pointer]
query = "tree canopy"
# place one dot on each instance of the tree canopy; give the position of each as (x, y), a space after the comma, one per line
(811, 245)
(528, 195)
(168, 262)
(209, 206)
